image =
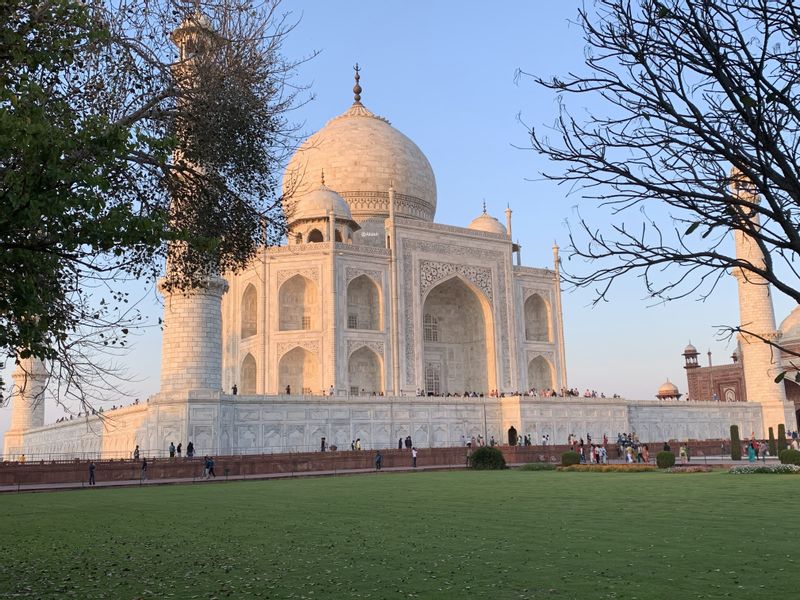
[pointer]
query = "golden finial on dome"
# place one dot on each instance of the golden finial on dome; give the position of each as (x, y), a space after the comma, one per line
(357, 87)
(484, 207)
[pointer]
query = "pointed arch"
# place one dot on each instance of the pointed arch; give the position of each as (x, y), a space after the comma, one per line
(299, 369)
(462, 351)
(365, 371)
(298, 304)
(315, 236)
(540, 374)
(363, 304)
(248, 375)
(249, 312)
(537, 319)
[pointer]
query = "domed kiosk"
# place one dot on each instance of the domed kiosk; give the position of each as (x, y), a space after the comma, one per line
(668, 391)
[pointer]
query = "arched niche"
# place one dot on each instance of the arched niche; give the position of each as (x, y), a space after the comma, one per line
(300, 370)
(365, 372)
(537, 319)
(540, 374)
(247, 376)
(337, 236)
(461, 352)
(298, 304)
(315, 236)
(249, 312)
(363, 304)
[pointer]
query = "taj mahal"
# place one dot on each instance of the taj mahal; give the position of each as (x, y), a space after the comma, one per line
(373, 321)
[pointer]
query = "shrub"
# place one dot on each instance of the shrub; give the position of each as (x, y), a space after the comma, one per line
(766, 469)
(487, 457)
(790, 457)
(690, 469)
(736, 443)
(782, 445)
(538, 467)
(773, 448)
(665, 460)
(570, 458)
(609, 468)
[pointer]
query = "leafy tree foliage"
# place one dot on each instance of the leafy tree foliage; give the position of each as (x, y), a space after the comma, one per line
(116, 149)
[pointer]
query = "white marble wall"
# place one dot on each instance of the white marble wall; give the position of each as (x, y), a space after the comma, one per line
(264, 424)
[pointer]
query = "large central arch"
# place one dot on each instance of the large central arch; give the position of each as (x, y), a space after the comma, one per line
(458, 340)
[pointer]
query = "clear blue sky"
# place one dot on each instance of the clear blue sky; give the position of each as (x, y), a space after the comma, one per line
(443, 74)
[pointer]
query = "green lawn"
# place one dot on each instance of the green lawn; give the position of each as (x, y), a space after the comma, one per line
(459, 535)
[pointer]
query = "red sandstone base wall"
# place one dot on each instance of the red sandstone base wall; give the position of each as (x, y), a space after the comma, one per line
(165, 468)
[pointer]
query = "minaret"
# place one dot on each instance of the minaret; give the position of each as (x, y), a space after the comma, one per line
(27, 398)
(191, 357)
(562, 356)
(760, 361)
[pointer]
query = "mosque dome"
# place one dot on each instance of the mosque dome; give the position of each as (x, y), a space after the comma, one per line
(690, 350)
(363, 156)
(316, 205)
(486, 222)
(790, 328)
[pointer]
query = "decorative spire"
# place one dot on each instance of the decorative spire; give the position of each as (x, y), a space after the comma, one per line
(322, 178)
(484, 207)
(357, 87)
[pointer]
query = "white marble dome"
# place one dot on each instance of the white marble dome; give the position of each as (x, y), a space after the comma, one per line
(790, 328)
(316, 204)
(690, 349)
(487, 223)
(362, 156)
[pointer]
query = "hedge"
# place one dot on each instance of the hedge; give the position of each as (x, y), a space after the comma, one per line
(782, 445)
(736, 443)
(665, 460)
(790, 457)
(570, 458)
(773, 447)
(487, 457)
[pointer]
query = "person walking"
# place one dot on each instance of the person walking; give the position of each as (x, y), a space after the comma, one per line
(211, 467)
(205, 467)
(414, 457)
(91, 472)
(172, 450)
(136, 452)
(180, 445)
(189, 450)
(322, 444)
(143, 475)
(378, 460)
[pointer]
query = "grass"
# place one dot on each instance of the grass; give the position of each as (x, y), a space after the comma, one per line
(497, 534)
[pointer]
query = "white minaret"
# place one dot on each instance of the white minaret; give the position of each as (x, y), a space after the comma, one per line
(191, 358)
(760, 361)
(27, 403)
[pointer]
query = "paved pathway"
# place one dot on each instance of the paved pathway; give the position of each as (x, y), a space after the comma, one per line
(719, 461)
(78, 485)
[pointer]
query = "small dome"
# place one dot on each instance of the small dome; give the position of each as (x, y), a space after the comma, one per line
(316, 204)
(487, 223)
(790, 328)
(690, 350)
